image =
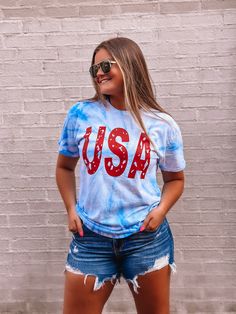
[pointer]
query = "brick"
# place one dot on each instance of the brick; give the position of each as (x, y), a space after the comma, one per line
(28, 245)
(10, 27)
(208, 255)
(21, 146)
(80, 24)
(10, 81)
(184, 115)
(44, 106)
(41, 26)
(10, 3)
(53, 195)
(210, 61)
(61, 40)
(58, 243)
(216, 127)
(174, 63)
(8, 54)
(12, 307)
(210, 166)
(35, 3)
(40, 80)
(6, 294)
(52, 307)
(69, 93)
(218, 4)
(229, 18)
(186, 217)
(178, 89)
(88, 10)
(14, 94)
(189, 20)
(201, 306)
(39, 133)
(211, 47)
(63, 67)
(23, 41)
(19, 195)
(37, 54)
(217, 88)
(13, 207)
(23, 67)
(11, 107)
(142, 7)
(53, 119)
(61, 12)
(219, 267)
(179, 7)
(21, 119)
(30, 294)
(14, 183)
(183, 294)
(218, 114)
(71, 53)
(27, 220)
(47, 207)
(45, 232)
(16, 232)
(3, 220)
(23, 13)
(4, 245)
(57, 219)
(216, 217)
(209, 229)
(205, 242)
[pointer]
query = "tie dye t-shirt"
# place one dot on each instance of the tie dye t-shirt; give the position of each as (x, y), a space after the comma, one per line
(118, 165)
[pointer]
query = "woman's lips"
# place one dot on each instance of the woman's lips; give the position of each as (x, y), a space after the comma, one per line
(103, 80)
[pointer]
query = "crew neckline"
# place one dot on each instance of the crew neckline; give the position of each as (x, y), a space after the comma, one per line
(113, 107)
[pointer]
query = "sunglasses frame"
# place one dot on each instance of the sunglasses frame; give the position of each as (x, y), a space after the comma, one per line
(99, 65)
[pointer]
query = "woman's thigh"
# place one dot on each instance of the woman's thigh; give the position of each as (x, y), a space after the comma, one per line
(90, 275)
(153, 293)
(80, 296)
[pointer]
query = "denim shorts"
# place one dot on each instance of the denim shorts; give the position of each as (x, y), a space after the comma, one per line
(109, 259)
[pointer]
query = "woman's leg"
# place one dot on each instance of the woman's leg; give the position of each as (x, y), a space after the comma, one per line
(80, 298)
(153, 294)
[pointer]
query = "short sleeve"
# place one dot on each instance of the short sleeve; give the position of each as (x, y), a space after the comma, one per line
(173, 156)
(68, 143)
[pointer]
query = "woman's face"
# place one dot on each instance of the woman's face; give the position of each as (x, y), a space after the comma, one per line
(110, 83)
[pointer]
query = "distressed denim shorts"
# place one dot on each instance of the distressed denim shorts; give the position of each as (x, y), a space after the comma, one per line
(109, 259)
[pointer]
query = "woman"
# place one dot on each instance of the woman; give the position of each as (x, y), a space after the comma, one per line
(119, 225)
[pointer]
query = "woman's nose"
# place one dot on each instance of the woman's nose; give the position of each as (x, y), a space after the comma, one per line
(100, 71)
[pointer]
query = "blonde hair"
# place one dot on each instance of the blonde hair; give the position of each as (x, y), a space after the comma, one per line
(138, 91)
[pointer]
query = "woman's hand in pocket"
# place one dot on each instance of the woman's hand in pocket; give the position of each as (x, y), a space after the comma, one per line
(153, 220)
(75, 223)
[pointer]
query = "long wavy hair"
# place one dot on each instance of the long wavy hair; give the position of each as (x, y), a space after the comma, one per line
(138, 91)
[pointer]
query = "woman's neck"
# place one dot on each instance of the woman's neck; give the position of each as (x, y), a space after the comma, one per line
(118, 102)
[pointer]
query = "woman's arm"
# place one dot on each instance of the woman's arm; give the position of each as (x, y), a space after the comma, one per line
(65, 178)
(172, 189)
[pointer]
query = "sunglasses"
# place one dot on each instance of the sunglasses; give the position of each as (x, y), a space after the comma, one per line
(104, 65)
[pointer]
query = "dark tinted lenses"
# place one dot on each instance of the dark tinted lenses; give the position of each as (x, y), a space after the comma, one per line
(105, 66)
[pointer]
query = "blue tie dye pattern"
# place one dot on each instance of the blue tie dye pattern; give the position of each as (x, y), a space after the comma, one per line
(115, 206)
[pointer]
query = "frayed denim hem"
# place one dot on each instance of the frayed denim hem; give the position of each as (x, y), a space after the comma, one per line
(98, 283)
(159, 264)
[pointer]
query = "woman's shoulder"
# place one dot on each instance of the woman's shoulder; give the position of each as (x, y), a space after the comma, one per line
(81, 105)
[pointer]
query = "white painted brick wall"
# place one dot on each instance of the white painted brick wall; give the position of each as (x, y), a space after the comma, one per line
(45, 51)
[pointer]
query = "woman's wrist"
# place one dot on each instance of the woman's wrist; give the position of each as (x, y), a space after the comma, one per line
(163, 210)
(71, 210)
